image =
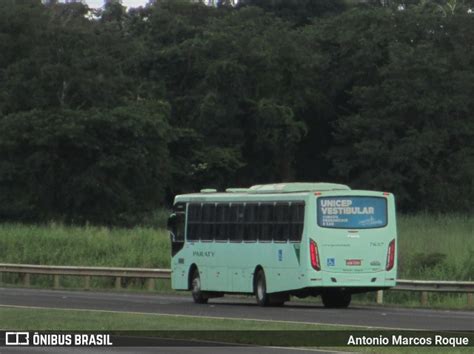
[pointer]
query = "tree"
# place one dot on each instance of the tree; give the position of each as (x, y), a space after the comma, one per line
(98, 166)
(299, 12)
(410, 131)
(241, 67)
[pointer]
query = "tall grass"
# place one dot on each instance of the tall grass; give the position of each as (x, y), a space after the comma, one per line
(56, 244)
(436, 247)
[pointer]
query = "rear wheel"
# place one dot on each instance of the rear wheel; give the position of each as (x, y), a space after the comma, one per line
(278, 299)
(263, 298)
(261, 289)
(336, 299)
(198, 295)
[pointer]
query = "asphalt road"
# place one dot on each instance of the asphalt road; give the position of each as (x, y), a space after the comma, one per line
(242, 308)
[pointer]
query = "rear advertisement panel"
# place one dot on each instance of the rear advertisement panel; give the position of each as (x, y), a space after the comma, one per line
(352, 212)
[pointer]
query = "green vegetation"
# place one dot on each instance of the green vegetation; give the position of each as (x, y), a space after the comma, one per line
(34, 318)
(106, 114)
(72, 178)
(430, 247)
(56, 244)
(436, 247)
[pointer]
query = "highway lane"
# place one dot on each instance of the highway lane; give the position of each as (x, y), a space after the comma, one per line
(242, 308)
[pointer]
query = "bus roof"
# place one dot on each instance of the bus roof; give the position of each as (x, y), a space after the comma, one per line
(278, 191)
(277, 188)
(295, 187)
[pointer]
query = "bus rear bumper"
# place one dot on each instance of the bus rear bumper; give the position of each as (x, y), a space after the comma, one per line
(349, 280)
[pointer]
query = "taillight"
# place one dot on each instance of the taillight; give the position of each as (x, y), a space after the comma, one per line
(313, 252)
(390, 255)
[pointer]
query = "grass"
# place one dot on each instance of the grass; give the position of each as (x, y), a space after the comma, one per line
(56, 244)
(430, 247)
(436, 247)
(215, 329)
(44, 319)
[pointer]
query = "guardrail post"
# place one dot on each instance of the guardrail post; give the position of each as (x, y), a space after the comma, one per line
(56, 281)
(424, 298)
(118, 282)
(469, 299)
(150, 284)
(380, 297)
(87, 282)
(26, 279)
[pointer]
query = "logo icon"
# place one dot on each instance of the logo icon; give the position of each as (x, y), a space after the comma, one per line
(331, 262)
(375, 263)
(17, 338)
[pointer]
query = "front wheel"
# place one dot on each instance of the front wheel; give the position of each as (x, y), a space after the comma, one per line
(198, 295)
(261, 289)
(336, 299)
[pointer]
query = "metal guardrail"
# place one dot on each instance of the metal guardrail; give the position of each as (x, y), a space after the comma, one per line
(87, 272)
(150, 274)
(434, 286)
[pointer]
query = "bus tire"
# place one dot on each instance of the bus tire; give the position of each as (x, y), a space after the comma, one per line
(263, 299)
(336, 299)
(198, 295)
(279, 299)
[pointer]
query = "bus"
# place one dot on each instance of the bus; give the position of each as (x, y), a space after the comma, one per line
(280, 240)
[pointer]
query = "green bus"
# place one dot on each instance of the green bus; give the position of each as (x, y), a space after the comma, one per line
(279, 240)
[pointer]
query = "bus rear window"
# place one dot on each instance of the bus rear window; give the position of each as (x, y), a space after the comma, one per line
(352, 212)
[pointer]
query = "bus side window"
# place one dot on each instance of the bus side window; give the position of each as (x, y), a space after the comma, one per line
(250, 222)
(297, 221)
(266, 221)
(208, 221)
(222, 221)
(194, 221)
(236, 222)
(282, 219)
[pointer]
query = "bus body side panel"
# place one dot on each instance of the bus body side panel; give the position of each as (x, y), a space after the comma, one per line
(233, 271)
(279, 261)
(281, 264)
(216, 272)
(179, 271)
(201, 253)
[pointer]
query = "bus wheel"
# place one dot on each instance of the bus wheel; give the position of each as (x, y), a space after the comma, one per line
(279, 299)
(336, 299)
(198, 295)
(261, 289)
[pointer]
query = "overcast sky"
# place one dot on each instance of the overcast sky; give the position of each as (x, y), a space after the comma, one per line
(128, 3)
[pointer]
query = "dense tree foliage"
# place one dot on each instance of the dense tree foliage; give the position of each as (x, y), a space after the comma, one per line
(105, 114)
(78, 165)
(299, 12)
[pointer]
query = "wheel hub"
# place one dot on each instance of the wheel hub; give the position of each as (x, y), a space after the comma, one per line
(196, 285)
(260, 290)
